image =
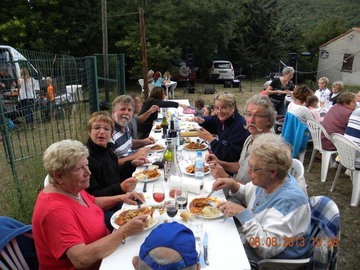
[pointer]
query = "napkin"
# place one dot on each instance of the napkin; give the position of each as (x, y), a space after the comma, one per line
(190, 185)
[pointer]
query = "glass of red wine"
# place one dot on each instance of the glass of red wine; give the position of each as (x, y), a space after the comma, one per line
(171, 207)
(158, 192)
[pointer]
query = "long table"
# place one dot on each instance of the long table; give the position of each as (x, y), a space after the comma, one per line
(225, 249)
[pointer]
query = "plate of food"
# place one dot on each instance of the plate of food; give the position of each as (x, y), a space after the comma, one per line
(157, 128)
(152, 174)
(157, 148)
(205, 207)
(190, 170)
(195, 146)
(122, 216)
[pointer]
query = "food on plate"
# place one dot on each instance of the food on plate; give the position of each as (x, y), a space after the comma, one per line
(195, 146)
(127, 215)
(158, 127)
(204, 207)
(211, 211)
(151, 173)
(187, 140)
(157, 147)
(191, 169)
(187, 216)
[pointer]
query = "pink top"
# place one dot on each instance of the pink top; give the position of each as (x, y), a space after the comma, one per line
(60, 222)
(316, 114)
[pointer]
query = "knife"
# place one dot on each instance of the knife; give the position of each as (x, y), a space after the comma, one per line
(146, 179)
(205, 245)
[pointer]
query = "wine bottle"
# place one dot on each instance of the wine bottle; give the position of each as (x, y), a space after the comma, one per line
(168, 158)
(172, 133)
(164, 126)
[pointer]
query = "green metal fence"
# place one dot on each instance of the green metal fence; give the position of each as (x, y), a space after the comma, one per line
(79, 86)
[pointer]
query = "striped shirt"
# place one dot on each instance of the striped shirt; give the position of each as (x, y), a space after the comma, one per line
(122, 142)
(352, 132)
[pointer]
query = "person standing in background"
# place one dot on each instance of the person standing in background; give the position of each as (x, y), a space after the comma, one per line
(278, 89)
(50, 97)
(27, 96)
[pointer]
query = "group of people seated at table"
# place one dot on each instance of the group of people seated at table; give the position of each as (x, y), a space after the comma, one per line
(88, 183)
(157, 79)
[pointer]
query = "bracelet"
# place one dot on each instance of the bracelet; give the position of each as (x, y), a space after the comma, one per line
(124, 235)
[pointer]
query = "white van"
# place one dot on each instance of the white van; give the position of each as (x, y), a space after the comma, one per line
(221, 70)
(12, 61)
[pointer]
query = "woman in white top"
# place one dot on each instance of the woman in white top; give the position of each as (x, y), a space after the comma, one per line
(323, 93)
(297, 107)
(27, 96)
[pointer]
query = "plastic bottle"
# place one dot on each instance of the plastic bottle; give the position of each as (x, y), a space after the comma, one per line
(199, 166)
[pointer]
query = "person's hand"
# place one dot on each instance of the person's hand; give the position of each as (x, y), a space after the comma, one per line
(198, 120)
(154, 108)
(132, 198)
(211, 158)
(185, 107)
(230, 209)
(149, 140)
(142, 152)
(217, 170)
(134, 225)
(228, 183)
(129, 184)
(205, 135)
(137, 162)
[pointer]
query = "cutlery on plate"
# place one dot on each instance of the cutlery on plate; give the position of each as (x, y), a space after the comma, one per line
(212, 191)
(138, 202)
(146, 178)
(205, 245)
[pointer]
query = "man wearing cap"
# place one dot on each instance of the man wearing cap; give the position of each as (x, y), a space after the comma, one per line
(169, 246)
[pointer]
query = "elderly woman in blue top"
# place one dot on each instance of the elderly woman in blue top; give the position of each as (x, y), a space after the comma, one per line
(228, 124)
(276, 217)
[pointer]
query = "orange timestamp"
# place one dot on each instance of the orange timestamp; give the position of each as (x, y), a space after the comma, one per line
(292, 242)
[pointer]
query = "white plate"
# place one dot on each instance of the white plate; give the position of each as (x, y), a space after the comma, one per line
(185, 148)
(159, 150)
(155, 221)
(142, 179)
(193, 174)
(205, 217)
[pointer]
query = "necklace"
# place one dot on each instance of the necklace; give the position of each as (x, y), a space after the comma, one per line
(264, 195)
(76, 197)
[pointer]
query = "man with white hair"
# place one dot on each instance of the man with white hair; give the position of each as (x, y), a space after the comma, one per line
(125, 147)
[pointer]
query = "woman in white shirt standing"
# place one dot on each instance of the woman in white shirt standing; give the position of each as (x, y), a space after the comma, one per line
(27, 96)
(297, 107)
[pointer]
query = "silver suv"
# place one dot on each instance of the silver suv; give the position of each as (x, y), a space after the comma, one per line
(221, 70)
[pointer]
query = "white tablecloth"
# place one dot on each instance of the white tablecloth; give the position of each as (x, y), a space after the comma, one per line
(225, 250)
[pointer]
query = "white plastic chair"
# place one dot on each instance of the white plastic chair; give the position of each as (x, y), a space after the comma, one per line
(297, 170)
(141, 82)
(347, 150)
(316, 129)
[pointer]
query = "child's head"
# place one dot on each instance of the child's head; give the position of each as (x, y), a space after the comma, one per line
(48, 80)
(199, 103)
(357, 97)
(208, 110)
(312, 101)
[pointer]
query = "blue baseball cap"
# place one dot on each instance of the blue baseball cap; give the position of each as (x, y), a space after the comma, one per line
(171, 235)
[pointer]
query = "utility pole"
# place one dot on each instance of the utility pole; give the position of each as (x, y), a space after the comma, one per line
(105, 48)
(143, 52)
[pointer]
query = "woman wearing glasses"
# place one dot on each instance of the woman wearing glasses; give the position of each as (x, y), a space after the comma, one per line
(228, 125)
(274, 209)
(107, 178)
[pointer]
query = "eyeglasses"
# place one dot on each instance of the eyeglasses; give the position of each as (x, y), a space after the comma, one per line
(97, 128)
(257, 116)
(252, 170)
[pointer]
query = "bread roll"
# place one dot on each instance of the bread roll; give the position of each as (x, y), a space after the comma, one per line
(187, 216)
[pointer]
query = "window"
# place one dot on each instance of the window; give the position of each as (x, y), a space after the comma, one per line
(347, 62)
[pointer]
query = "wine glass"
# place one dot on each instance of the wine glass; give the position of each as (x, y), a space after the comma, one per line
(158, 192)
(181, 197)
(171, 207)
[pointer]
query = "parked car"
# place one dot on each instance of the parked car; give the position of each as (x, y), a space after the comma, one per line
(221, 70)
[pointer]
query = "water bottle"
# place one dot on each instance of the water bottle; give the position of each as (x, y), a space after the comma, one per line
(199, 166)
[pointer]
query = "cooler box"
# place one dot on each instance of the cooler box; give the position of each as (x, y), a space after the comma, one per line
(235, 83)
(227, 84)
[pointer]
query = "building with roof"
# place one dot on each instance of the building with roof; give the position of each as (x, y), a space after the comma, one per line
(339, 58)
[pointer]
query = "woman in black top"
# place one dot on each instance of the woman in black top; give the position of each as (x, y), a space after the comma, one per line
(157, 97)
(278, 89)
